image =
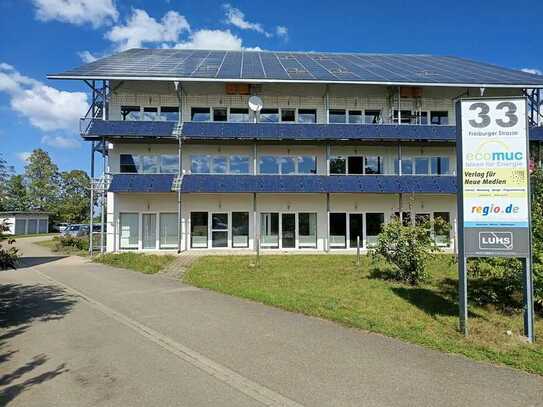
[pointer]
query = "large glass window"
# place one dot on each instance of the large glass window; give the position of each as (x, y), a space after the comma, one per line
(337, 116)
(355, 117)
(198, 229)
(239, 115)
(269, 165)
(239, 164)
(169, 164)
(129, 163)
(150, 113)
(220, 114)
(148, 231)
(421, 165)
(199, 164)
(288, 115)
(374, 224)
(269, 229)
(406, 116)
(168, 231)
(149, 164)
(200, 114)
(169, 113)
(269, 116)
(307, 164)
(338, 230)
(219, 164)
(372, 116)
(219, 230)
(130, 113)
(307, 116)
(442, 231)
(373, 165)
(356, 165)
(129, 233)
(288, 165)
(338, 165)
(307, 230)
(439, 118)
(439, 165)
(240, 229)
(288, 230)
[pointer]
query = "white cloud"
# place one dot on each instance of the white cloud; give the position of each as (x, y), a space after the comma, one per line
(87, 57)
(78, 12)
(211, 39)
(236, 17)
(532, 71)
(140, 28)
(57, 141)
(23, 156)
(46, 108)
(281, 31)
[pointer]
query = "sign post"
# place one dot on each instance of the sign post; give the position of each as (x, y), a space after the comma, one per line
(493, 190)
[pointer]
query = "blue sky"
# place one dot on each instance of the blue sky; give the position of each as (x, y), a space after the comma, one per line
(46, 36)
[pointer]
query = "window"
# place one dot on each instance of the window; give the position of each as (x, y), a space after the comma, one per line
(442, 231)
(218, 164)
(130, 113)
(288, 165)
(199, 164)
(239, 164)
(338, 165)
(307, 165)
(337, 116)
(307, 116)
(149, 164)
(374, 223)
(338, 230)
(168, 231)
(423, 219)
(356, 230)
(439, 118)
(421, 118)
(288, 115)
(355, 117)
(372, 116)
(269, 115)
(129, 234)
(406, 218)
(356, 165)
(406, 116)
(169, 164)
(200, 114)
(373, 165)
(239, 115)
(198, 229)
(269, 165)
(169, 113)
(439, 165)
(421, 165)
(307, 230)
(219, 230)
(269, 229)
(150, 113)
(240, 229)
(148, 231)
(220, 114)
(129, 163)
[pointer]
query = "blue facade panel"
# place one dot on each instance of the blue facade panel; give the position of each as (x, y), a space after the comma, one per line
(141, 183)
(130, 129)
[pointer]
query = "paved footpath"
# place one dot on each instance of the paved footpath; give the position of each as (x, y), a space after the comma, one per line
(74, 333)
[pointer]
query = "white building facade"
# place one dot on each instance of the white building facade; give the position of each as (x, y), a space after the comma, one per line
(327, 157)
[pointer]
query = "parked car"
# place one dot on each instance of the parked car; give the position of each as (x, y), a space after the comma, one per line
(60, 227)
(76, 230)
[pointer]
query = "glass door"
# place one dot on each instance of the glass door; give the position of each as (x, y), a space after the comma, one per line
(149, 230)
(288, 230)
(356, 223)
(198, 230)
(269, 229)
(338, 230)
(219, 230)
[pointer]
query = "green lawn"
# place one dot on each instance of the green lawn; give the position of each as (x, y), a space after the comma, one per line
(145, 263)
(333, 287)
(53, 245)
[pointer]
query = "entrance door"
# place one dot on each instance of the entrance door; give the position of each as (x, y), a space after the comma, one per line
(288, 230)
(149, 230)
(355, 229)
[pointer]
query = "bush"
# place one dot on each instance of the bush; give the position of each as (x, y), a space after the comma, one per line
(8, 255)
(407, 248)
(64, 243)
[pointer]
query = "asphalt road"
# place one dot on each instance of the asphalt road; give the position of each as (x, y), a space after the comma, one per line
(74, 333)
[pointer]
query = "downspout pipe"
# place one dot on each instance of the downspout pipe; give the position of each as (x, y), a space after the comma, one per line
(178, 90)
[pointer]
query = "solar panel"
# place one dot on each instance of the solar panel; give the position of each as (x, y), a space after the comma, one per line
(300, 67)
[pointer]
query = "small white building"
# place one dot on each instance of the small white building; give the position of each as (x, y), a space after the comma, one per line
(25, 222)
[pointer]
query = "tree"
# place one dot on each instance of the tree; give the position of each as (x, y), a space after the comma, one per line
(73, 205)
(5, 172)
(537, 233)
(42, 181)
(16, 198)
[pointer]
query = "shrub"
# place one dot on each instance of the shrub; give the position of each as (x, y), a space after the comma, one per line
(8, 255)
(73, 243)
(407, 248)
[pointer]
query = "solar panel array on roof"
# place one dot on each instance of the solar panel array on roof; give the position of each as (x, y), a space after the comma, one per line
(259, 66)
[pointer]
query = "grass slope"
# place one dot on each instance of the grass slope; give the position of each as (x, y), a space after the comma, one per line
(145, 263)
(333, 287)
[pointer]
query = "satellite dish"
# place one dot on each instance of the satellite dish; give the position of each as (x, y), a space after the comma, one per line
(255, 103)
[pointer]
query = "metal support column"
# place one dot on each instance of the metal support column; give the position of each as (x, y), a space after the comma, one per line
(103, 204)
(400, 196)
(91, 209)
(399, 105)
(178, 182)
(528, 300)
